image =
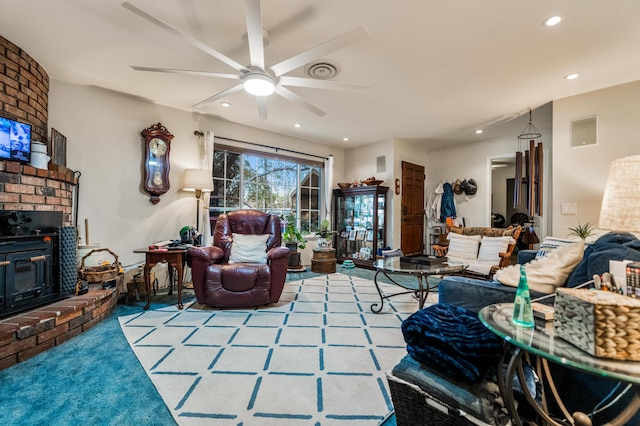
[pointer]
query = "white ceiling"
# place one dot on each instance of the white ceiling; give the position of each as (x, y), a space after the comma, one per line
(437, 69)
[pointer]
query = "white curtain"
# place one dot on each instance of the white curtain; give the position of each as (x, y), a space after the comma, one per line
(206, 162)
(328, 184)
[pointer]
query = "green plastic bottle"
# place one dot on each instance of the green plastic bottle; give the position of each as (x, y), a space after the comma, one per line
(522, 312)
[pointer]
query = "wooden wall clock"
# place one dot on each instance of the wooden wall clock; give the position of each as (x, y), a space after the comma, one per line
(157, 145)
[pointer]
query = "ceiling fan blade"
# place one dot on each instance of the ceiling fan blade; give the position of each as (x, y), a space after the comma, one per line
(278, 30)
(322, 84)
(262, 107)
(289, 95)
(294, 21)
(325, 48)
(196, 43)
(220, 95)
(254, 32)
(187, 72)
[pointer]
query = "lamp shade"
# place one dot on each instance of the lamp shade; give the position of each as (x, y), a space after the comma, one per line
(621, 202)
(198, 180)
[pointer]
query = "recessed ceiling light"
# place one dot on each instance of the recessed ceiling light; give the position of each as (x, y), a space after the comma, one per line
(550, 22)
(478, 131)
(297, 125)
(345, 139)
(572, 76)
(225, 104)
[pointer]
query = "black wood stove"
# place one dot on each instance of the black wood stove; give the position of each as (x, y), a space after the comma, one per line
(29, 260)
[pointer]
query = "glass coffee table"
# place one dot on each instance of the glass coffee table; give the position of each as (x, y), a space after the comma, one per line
(542, 341)
(394, 265)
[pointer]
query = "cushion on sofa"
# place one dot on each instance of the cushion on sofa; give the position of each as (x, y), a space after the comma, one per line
(546, 273)
(463, 248)
(483, 231)
(491, 247)
(551, 243)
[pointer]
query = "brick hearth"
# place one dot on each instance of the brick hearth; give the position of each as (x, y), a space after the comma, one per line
(29, 333)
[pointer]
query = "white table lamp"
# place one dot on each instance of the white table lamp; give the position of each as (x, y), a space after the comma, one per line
(621, 202)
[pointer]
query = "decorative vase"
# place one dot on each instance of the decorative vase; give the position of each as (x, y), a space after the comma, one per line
(324, 243)
(522, 312)
(291, 246)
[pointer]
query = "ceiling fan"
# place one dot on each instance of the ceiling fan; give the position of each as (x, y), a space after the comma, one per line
(257, 78)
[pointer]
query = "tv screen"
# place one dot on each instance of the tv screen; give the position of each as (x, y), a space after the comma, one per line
(15, 140)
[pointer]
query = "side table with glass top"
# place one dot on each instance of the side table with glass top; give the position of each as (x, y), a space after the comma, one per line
(542, 342)
(394, 265)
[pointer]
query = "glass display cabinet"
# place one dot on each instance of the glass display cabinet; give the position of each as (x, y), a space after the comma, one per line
(359, 218)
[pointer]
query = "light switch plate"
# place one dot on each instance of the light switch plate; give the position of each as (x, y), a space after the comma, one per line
(569, 208)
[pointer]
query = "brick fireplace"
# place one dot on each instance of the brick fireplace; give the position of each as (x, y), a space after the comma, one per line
(24, 96)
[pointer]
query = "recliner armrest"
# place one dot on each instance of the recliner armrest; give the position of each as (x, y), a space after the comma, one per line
(277, 253)
(208, 254)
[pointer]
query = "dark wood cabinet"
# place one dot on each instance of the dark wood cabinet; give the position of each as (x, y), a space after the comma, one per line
(360, 218)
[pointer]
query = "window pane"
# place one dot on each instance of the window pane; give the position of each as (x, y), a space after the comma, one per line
(233, 165)
(232, 193)
(218, 164)
(268, 183)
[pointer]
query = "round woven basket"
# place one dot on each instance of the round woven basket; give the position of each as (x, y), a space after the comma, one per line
(101, 273)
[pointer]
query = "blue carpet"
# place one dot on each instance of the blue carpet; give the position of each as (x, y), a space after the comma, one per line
(95, 378)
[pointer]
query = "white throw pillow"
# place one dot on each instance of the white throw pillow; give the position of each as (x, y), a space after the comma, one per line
(547, 273)
(551, 243)
(249, 248)
(462, 248)
(491, 247)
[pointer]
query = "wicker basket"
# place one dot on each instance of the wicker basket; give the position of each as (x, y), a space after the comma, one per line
(101, 273)
(602, 323)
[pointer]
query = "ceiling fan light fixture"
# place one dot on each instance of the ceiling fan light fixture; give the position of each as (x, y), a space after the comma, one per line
(259, 84)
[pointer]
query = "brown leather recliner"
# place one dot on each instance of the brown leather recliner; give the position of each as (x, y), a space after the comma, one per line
(219, 283)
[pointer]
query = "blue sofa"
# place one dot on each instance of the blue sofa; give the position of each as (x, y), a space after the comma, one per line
(474, 294)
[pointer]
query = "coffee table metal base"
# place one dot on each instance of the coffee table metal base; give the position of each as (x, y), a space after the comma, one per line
(421, 291)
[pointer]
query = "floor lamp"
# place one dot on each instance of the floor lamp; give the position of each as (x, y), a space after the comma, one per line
(198, 181)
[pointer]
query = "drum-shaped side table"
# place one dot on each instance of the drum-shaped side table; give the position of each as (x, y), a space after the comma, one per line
(323, 261)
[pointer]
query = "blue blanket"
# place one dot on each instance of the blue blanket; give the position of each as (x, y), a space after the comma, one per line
(610, 246)
(452, 340)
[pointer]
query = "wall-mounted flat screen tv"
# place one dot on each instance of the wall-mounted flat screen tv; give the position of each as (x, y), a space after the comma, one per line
(15, 140)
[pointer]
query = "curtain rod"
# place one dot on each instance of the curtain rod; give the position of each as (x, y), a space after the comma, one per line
(199, 133)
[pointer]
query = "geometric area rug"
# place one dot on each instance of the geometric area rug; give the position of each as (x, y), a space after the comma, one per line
(317, 357)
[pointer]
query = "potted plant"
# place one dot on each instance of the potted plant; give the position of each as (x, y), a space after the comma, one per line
(582, 231)
(325, 234)
(292, 236)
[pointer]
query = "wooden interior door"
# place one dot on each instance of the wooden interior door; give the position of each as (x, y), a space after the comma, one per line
(412, 209)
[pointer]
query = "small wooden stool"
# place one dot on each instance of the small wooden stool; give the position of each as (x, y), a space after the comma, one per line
(324, 260)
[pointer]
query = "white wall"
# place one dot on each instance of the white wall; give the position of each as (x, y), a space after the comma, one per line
(579, 174)
(104, 144)
(360, 163)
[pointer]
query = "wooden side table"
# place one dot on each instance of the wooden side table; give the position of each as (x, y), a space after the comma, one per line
(175, 258)
(324, 260)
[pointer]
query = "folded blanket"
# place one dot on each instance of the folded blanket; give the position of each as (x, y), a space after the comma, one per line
(610, 246)
(452, 340)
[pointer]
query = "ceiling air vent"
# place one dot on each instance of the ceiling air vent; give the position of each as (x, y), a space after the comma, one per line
(322, 69)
